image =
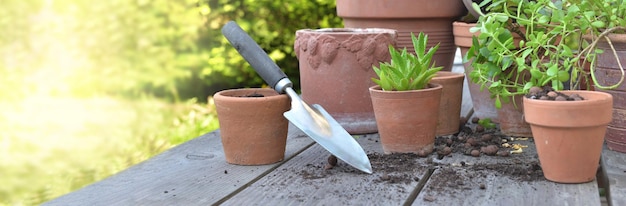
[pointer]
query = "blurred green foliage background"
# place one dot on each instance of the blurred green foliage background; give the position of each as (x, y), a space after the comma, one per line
(89, 88)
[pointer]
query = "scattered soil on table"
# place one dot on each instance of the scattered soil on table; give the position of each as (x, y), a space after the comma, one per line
(472, 140)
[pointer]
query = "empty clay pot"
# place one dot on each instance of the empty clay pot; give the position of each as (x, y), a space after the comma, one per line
(252, 127)
(450, 104)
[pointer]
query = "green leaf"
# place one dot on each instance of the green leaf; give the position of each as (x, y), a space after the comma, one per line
(563, 76)
(553, 70)
(598, 24)
(501, 18)
(536, 73)
(498, 103)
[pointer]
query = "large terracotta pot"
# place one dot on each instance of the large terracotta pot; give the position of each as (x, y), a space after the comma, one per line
(407, 120)
(253, 129)
(450, 104)
(483, 104)
(607, 73)
(569, 134)
(336, 71)
(434, 18)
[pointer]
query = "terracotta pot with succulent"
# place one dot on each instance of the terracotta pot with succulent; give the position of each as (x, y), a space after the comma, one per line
(336, 68)
(405, 104)
(548, 57)
(434, 18)
(252, 126)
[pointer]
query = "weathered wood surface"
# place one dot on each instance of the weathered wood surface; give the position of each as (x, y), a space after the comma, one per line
(289, 184)
(499, 188)
(503, 190)
(193, 173)
(614, 167)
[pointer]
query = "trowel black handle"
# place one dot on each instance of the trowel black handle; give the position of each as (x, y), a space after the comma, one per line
(256, 57)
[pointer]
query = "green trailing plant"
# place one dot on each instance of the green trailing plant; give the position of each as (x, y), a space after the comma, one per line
(538, 43)
(408, 71)
(487, 123)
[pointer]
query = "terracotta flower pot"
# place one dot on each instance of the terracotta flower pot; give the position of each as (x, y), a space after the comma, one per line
(483, 104)
(407, 120)
(434, 18)
(253, 129)
(336, 71)
(569, 134)
(512, 119)
(608, 73)
(450, 104)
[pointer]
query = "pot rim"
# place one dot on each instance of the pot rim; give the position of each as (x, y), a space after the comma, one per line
(232, 94)
(431, 86)
(350, 30)
(602, 97)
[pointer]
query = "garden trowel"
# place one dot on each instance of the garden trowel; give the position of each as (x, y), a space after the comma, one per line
(312, 120)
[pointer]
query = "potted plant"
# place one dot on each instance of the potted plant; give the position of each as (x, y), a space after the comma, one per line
(252, 127)
(434, 18)
(509, 116)
(405, 104)
(483, 105)
(547, 58)
(569, 132)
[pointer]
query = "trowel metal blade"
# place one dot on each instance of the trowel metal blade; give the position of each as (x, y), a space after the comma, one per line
(338, 141)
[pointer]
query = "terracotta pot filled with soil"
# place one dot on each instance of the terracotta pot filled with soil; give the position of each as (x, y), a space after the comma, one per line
(568, 129)
(252, 126)
(336, 71)
(407, 120)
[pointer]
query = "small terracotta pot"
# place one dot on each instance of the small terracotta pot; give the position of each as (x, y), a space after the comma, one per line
(450, 104)
(569, 134)
(336, 71)
(511, 118)
(253, 129)
(407, 120)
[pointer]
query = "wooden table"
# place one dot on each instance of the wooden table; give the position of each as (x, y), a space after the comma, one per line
(196, 173)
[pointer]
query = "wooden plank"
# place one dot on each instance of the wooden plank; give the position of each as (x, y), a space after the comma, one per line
(304, 181)
(614, 167)
(443, 189)
(458, 178)
(193, 173)
(529, 155)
